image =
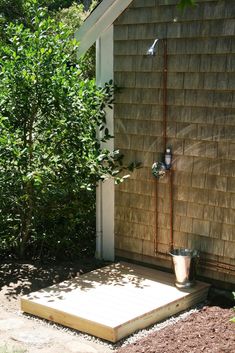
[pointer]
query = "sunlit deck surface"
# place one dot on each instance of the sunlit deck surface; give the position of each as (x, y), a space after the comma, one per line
(114, 301)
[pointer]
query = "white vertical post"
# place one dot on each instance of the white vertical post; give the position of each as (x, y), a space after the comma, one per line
(98, 253)
(105, 190)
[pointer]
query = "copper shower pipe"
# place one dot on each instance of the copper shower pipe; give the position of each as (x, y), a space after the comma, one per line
(156, 221)
(171, 209)
(170, 172)
(165, 67)
(171, 242)
(165, 114)
(218, 266)
(213, 265)
(206, 263)
(164, 138)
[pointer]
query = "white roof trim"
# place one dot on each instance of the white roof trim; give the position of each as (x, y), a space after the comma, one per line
(98, 21)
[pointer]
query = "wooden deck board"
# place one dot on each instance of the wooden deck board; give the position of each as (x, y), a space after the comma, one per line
(114, 301)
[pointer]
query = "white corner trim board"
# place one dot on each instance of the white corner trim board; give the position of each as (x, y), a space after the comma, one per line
(105, 190)
(98, 21)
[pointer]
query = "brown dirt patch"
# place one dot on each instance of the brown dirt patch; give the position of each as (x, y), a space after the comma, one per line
(17, 279)
(207, 331)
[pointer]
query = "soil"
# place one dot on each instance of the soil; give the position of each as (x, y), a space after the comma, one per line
(17, 279)
(209, 330)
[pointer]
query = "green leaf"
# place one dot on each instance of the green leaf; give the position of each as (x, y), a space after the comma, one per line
(186, 3)
(50, 157)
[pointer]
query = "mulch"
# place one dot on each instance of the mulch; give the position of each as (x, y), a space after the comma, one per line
(207, 331)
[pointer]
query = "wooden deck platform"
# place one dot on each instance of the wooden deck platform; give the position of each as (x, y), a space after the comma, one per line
(114, 301)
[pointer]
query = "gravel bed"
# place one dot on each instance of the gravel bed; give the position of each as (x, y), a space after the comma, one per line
(125, 341)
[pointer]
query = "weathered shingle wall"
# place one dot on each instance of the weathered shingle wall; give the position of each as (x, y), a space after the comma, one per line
(200, 128)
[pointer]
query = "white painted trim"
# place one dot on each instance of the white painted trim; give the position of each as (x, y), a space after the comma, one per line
(98, 21)
(105, 190)
(99, 235)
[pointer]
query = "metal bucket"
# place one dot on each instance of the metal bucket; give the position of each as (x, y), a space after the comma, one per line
(185, 263)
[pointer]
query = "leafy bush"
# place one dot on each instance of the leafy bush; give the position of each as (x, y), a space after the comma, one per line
(13, 10)
(50, 158)
(186, 3)
(233, 319)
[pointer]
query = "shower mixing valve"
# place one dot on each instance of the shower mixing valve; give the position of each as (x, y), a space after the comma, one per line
(168, 158)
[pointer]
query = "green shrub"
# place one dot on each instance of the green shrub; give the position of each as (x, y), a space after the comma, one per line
(50, 158)
(233, 319)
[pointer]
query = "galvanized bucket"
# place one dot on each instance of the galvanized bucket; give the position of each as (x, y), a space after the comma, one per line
(185, 263)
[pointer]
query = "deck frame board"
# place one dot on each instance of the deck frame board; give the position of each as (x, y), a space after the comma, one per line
(114, 301)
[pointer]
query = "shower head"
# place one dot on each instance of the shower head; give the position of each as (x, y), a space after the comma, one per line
(152, 50)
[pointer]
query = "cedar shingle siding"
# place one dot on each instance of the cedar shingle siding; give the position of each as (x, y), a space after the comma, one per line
(200, 128)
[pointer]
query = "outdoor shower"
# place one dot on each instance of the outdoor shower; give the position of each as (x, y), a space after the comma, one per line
(152, 51)
(184, 260)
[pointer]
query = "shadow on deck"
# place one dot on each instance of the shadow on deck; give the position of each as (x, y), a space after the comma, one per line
(114, 301)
